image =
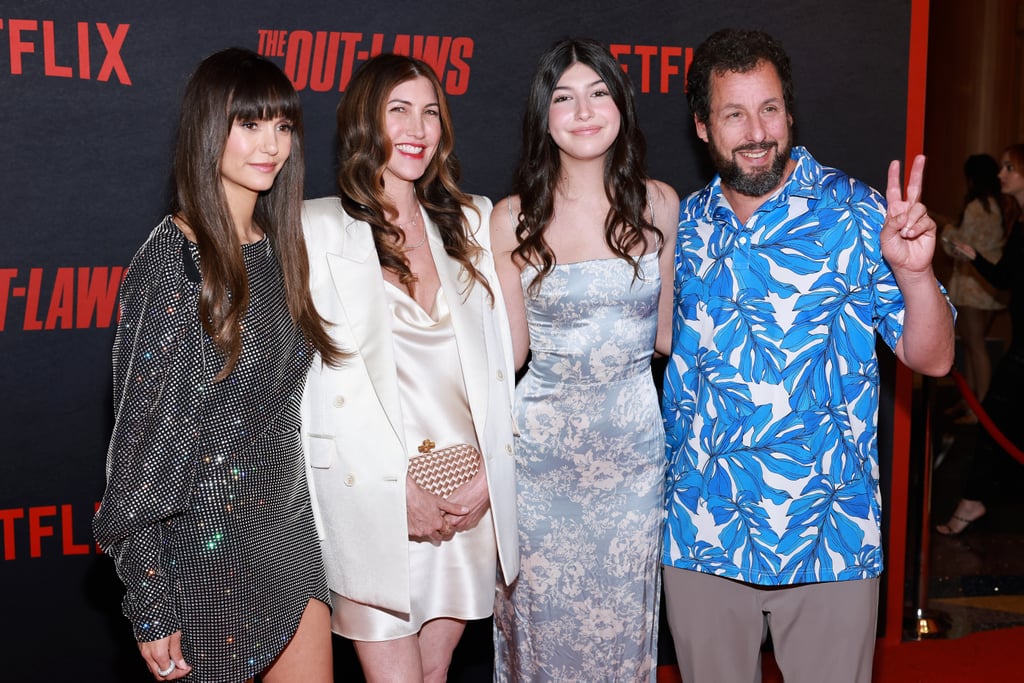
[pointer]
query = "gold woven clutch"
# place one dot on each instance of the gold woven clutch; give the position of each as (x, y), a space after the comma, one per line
(446, 469)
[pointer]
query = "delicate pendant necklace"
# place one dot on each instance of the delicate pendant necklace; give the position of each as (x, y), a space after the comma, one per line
(423, 238)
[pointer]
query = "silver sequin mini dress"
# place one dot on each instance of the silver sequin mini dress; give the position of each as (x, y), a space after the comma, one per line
(206, 511)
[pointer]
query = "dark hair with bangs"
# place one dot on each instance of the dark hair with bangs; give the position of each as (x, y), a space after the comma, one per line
(364, 151)
(625, 165)
(228, 86)
(738, 51)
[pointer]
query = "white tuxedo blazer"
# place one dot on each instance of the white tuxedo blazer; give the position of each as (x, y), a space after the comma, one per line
(352, 429)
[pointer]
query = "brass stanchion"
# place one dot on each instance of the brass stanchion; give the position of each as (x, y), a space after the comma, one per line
(922, 623)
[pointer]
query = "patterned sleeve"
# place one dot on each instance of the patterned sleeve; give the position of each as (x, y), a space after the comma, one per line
(157, 361)
(888, 299)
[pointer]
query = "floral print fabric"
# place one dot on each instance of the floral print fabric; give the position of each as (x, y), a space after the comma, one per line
(771, 393)
(590, 468)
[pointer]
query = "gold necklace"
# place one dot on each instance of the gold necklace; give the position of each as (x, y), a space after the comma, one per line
(423, 238)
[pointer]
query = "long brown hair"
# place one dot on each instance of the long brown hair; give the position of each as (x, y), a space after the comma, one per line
(363, 154)
(227, 86)
(625, 174)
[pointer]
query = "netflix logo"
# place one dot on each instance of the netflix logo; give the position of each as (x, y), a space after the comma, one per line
(83, 50)
(654, 68)
(46, 530)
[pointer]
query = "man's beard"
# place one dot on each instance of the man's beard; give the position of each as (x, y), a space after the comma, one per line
(754, 184)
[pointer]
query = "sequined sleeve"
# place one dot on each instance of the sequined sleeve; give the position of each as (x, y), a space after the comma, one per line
(151, 468)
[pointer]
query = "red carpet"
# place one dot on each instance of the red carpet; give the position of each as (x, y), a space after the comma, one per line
(984, 657)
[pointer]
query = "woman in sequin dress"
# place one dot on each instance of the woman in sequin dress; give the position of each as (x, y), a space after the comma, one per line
(206, 511)
(582, 250)
(399, 264)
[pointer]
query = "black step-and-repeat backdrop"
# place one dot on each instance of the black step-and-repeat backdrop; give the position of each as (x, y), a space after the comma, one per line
(88, 102)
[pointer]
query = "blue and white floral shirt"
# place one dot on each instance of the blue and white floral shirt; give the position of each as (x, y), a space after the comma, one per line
(771, 393)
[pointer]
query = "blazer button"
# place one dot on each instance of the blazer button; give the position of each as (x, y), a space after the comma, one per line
(501, 375)
(508, 448)
(339, 401)
(350, 480)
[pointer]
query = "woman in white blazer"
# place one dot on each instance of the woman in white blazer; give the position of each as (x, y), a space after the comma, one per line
(400, 268)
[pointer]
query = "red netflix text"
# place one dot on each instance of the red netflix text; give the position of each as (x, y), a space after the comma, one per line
(83, 50)
(48, 529)
(61, 299)
(654, 68)
(323, 61)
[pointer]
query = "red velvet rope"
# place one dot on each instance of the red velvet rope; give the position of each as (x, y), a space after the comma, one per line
(983, 419)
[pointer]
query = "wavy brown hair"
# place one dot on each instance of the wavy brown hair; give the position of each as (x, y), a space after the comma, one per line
(364, 150)
(231, 85)
(537, 174)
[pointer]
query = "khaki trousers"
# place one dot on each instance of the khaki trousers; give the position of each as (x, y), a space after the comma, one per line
(821, 632)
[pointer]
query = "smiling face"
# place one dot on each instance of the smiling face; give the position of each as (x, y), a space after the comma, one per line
(582, 117)
(748, 131)
(412, 121)
(254, 154)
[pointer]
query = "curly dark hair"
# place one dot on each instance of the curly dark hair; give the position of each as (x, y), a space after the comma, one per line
(738, 51)
(363, 154)
(625, 166)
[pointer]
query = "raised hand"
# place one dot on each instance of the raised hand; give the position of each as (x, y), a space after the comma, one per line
(908, 235)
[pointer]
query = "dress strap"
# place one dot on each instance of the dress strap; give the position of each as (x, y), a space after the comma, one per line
(512, 218)
(188, 262)
(650, 204)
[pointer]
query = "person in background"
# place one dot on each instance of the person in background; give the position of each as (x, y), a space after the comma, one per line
(584, 253)
(1003, 402)
(982, 223)
(400, 265)
(785, 271)
(206, 510)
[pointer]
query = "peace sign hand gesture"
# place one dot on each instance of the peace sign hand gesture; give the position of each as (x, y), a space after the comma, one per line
(908, 244)
(908, 235)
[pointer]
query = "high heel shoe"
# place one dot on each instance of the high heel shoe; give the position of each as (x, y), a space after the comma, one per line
(952, 529)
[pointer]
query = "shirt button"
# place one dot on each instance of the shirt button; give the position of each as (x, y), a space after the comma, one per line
(350, 480)
(339, 401)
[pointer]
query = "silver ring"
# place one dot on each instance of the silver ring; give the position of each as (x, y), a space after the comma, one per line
(164, 672)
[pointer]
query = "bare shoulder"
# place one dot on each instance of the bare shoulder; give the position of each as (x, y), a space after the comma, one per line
(503, 213)
(666, 206)
(662, 195)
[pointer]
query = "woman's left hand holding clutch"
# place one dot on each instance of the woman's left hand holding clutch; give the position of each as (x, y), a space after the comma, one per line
(474, 496)
(428, 515)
